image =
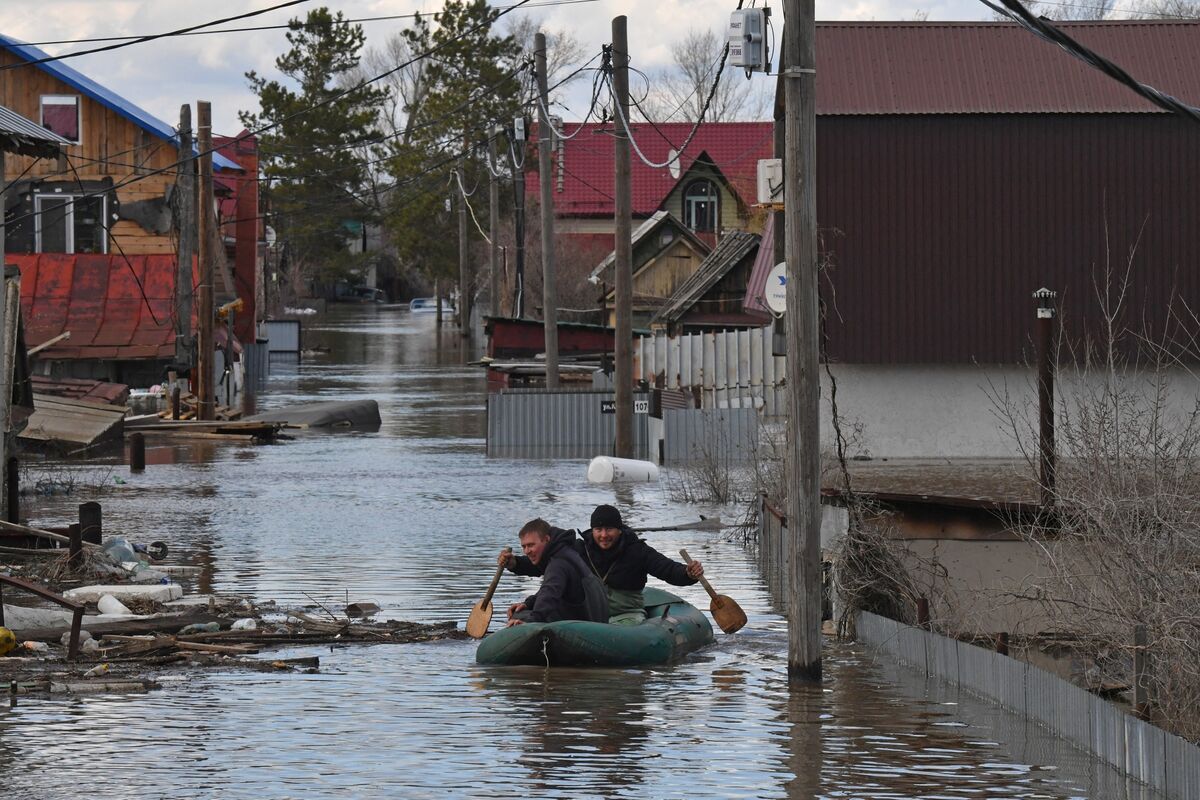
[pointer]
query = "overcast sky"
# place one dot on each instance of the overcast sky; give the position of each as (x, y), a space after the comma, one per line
(160, 76)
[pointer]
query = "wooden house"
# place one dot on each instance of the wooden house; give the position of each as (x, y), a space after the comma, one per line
(92, 229)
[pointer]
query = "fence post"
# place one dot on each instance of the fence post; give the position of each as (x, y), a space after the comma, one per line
(1141, 672)
(923, 612)
(1002, 643)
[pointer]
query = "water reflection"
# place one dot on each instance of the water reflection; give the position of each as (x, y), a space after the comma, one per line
(412, 516)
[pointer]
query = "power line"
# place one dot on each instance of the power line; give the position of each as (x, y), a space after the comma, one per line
(287, 26)
(152, 37)
(1018, 13)
(336, 96)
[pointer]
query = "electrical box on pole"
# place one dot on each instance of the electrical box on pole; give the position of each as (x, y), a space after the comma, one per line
(770, 181)
(519, 129)
(747, 38)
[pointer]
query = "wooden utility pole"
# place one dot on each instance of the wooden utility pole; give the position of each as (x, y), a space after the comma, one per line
(464, 291)
(623, 244)
(205, 348)
(803, 461)
(518, 144)
(185, 191)
(493, 225)
(546, 205)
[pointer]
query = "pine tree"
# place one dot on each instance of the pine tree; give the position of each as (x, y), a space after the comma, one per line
(312, 154)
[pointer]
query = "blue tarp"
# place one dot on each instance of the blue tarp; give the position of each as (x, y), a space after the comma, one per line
(140, 117)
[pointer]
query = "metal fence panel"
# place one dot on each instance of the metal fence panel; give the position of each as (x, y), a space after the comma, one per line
(724, 436)
(1182, 767)
(540, 423)
(283, 335)
(1145, 749)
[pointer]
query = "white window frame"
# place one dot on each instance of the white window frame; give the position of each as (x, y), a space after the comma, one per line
(78, 112)
(68, 219)
(690, 202)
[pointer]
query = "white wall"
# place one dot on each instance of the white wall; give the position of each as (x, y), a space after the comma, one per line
(930, 411)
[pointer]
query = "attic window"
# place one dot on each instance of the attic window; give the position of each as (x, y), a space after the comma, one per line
(60, 114)
(700, 206)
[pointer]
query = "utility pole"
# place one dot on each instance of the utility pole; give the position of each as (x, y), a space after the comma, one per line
(623, 246)
(185, 191)
(803, 359)
(464, 307)
(518, 140)
(545, 143)
(493, 224)
(204, 356)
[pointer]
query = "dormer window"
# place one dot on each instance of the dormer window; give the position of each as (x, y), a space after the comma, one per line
(60, 114)
(700, 206)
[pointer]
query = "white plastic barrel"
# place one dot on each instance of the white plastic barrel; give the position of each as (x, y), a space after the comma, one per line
(606, 469)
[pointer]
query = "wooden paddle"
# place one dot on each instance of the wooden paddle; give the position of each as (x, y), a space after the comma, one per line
(481, 614)
(725, 610)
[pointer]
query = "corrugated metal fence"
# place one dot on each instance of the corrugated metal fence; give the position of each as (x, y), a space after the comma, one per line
(283, 335)
(1166, 763)
(723, 436)
(730, 369)
(567, 423)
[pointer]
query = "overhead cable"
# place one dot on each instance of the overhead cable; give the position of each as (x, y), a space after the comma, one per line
(1018, 13)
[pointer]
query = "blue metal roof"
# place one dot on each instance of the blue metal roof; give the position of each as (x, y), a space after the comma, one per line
(138, 116)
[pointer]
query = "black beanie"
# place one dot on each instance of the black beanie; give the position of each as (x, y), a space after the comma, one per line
(606, 517)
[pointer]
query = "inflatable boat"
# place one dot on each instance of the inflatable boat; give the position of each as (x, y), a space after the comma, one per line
(672, 629)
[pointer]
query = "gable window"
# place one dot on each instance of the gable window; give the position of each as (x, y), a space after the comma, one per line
(60, 114)
(700, 206)
(69, 224)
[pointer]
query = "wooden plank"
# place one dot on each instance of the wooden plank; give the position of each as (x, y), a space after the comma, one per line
(171, 624)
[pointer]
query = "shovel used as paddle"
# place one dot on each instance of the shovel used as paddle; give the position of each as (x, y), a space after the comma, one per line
(481, 614)
(725, 610)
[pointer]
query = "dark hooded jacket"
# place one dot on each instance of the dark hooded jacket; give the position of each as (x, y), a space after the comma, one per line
(561, 595)
(627, 563)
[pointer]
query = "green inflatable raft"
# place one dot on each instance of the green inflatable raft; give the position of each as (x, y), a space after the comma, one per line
(672, 629)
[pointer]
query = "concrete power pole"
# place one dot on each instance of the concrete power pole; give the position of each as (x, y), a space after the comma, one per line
(185, 188)
(204, 356)
(803, 359)
(545, 143)
(623, 245)
(493, 225)
(464, 306)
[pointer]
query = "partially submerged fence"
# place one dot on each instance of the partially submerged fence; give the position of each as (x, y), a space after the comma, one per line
(561, 423)
(730, 369)
(721, 438)
(1164, 762)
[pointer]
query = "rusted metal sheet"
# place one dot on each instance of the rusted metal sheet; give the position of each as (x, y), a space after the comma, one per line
(114, 307)
(990, 68)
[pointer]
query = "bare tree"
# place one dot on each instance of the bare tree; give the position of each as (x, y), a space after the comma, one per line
(408, 87)
(678, 93)
(1165, 9)
(563, 53)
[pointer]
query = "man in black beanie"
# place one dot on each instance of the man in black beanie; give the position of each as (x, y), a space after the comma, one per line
(622, 561)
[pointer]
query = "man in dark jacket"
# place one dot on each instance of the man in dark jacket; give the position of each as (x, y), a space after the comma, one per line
(621, 561)
(550, 552)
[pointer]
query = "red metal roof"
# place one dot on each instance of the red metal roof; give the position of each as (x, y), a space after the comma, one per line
(998, 68)
(891, 68)
(587, 163)
(98, 299)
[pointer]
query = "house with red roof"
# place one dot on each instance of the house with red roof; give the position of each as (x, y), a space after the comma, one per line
(707, 191)
(93, 231)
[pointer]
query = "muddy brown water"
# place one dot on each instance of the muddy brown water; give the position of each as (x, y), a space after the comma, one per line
(411, 517)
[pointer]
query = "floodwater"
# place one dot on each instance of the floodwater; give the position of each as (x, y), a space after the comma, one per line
(412, 517)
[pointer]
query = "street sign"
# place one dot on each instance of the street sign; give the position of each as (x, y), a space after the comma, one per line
(776, 292)
(641, 406)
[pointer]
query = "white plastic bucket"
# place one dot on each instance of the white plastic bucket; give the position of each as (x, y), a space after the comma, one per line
(606, 469)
